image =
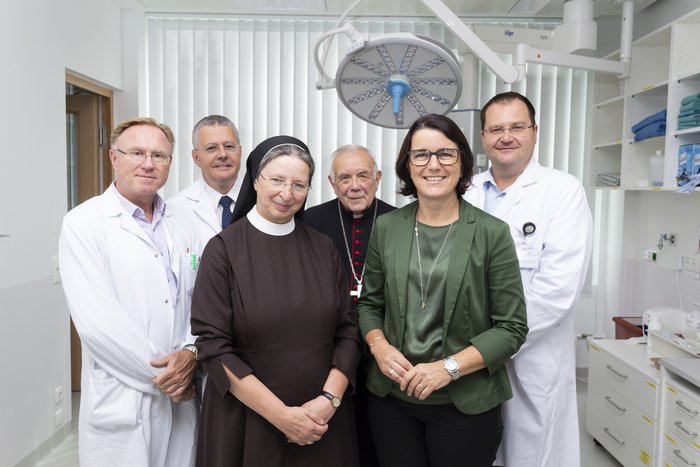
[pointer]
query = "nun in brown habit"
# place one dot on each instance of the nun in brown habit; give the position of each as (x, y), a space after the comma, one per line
(275, 329)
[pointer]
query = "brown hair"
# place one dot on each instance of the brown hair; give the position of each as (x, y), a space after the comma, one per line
(448, 128)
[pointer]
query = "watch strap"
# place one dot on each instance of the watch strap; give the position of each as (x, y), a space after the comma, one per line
(335, 401)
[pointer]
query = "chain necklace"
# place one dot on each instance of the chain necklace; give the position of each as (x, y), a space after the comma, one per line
(424, 296)
(358, 279)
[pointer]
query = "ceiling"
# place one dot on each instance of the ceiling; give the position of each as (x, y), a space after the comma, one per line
(513, 9)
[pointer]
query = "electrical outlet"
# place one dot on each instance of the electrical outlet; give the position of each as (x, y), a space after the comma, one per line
(58, 418)
(650, 255)
(691, 264)
(58, 395)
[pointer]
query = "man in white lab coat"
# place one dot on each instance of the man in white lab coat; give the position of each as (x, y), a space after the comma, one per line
(128, 267)
(551, 225)
(209, 202)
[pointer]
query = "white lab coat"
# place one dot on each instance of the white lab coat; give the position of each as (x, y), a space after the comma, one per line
(194, 201)
(118, 296)
(541, 420)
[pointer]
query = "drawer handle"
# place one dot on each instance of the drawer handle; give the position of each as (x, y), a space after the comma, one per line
(610, 401)
(677, 452)
(682, 406)
(607, 432)
(679, 424)
(610, 367)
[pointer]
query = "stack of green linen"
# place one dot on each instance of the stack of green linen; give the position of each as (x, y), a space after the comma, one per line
(689, 112)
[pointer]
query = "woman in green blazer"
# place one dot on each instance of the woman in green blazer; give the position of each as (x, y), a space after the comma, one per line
(442, 309)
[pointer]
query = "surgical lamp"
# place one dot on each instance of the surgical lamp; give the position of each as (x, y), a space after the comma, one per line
(393, 79)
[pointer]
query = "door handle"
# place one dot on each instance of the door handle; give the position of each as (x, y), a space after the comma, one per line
(610, 401)
(607, 432)
(680, 426)
(617, 373)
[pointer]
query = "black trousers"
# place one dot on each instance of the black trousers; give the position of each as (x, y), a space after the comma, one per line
(418, 435)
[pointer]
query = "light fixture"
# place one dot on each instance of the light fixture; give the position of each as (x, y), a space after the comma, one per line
(393, 79)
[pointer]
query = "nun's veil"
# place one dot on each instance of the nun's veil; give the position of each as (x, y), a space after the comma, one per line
(247, 196)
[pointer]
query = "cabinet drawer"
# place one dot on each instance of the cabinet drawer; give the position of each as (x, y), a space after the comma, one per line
(624, 380)
(636, 423)
(679, 452)
(616, 441)
(683, 426)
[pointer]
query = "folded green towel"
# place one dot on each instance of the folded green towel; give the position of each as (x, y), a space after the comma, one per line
(691, 98)
(686, 113)
(689, 119)
(685, 126)
(694, 105)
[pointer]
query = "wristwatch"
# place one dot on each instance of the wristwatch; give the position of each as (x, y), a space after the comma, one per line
(192, 348)
(452, 367)
(335, 402)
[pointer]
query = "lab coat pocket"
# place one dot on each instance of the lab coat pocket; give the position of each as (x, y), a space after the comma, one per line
(114, 406)
(539, 365)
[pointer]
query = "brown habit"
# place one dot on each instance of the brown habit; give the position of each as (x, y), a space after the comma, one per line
(278, 307)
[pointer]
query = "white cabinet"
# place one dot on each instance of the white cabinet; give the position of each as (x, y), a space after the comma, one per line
(664, 69)
(622, 411)
(680, 413)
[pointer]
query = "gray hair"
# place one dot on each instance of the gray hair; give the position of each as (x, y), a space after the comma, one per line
(291, 150)
(348, 148)
(213, 120)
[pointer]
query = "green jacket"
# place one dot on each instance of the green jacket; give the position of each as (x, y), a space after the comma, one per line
(484, 304)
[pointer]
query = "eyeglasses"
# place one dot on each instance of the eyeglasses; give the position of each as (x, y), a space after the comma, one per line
(138, 156)
(445, 156)
(230, 148)
(500, 131)
(296, 187)
(345, 179)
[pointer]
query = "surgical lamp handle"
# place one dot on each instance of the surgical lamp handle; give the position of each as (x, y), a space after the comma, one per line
(356, 43)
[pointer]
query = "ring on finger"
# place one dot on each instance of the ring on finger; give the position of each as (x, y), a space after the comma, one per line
(391, 371)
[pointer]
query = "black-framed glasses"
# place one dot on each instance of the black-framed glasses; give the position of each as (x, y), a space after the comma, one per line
(500, 130)
(230, 148)
(296, 187)
(140, 156)
(445, 156)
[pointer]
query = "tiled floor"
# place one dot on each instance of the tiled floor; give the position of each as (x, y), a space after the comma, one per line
(592, 455)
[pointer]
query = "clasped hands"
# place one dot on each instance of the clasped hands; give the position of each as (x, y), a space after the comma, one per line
(177, 378)
(306, 424)
(417, 381)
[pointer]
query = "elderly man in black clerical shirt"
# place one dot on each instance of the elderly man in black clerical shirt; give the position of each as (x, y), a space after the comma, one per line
(349, 220)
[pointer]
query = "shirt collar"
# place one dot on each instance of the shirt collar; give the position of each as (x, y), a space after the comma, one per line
(352, 215)
(134, 210)
(270, 228)
(214, 196)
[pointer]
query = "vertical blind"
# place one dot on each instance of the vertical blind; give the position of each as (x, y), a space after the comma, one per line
(260, 73)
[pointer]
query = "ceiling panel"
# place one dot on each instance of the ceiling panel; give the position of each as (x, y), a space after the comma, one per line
(523, 9)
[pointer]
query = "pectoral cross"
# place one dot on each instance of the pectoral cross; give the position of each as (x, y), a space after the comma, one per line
(356, 293)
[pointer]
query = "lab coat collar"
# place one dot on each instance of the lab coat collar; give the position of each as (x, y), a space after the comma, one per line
(518, 190)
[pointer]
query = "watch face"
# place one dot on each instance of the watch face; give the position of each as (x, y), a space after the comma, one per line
(451, 364)
(335, 402)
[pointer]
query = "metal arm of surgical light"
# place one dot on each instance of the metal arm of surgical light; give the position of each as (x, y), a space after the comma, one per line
(525, 54)
(375, 72)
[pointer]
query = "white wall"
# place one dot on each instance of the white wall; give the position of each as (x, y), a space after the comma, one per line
(632, 221)
(39, 41)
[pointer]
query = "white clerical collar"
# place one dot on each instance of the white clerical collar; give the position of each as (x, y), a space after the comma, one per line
(270, 228)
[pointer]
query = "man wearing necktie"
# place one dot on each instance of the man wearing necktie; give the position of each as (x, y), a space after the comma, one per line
(208, 203)
(210, 200)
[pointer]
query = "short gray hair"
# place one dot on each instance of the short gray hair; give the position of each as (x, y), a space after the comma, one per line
(352, 147)
(291, 150)
(213, 120)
